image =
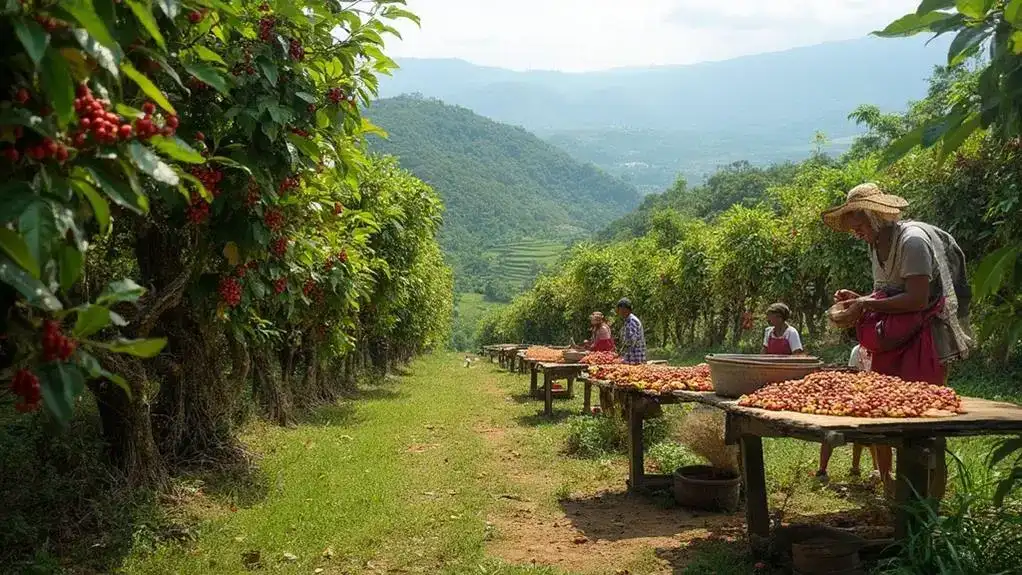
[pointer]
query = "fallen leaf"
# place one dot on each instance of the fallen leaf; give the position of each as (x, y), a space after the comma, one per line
(290, 557)
(581, 540)
(328, 553)
(317, 571)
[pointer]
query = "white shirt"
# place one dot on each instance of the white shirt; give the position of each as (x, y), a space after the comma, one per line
(790, 334)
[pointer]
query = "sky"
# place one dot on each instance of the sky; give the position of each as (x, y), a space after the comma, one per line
(586, 35)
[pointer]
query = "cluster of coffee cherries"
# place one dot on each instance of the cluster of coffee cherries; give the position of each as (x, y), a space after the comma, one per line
(300, 132)
(273, 219)
(287, 184)
(266, 26)
(210, 178)
(312, 291)
(279, 247)
(295, 50)
(26, 386)
(338, 208)
(253, 194)
(198, 209)
(48, 23)
(343, 256)
(230, 291)
(279, 285)
(196, 16)
(46, 149)
(56, 345)
(335, 95)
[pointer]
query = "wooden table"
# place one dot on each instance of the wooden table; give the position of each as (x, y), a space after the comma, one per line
(588, 387)
(551, 373)
(918, 442)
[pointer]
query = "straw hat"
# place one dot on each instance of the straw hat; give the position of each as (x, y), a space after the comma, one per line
(865, 197)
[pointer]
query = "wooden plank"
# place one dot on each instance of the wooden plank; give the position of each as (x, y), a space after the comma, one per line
(548, 393)
(587, 396)
(636, 461)
(757, 513)
(912, 483)
(981, 417)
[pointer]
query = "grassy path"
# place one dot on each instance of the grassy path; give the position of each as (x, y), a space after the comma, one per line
(452, 470)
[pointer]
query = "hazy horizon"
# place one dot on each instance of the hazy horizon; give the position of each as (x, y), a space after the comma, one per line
(574, 36)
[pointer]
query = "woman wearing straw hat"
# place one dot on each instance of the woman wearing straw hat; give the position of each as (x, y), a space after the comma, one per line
(917, 318)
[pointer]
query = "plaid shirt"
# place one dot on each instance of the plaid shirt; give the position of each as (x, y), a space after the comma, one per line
(633, 341)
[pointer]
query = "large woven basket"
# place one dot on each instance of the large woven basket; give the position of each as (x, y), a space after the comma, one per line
(737, 377)
(574, 356)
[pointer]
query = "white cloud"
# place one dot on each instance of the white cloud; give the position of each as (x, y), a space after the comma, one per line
(577, 35)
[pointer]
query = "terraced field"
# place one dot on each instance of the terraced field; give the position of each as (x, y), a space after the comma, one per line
(519, 261)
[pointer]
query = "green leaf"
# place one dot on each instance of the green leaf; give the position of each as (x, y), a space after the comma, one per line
(911, 24)
(1016, 42)
(61, 385)
(22, 117)
(955, 138)
(208, 55)
(70, 266)
(271, 129)
(279, 113)
(322, 119)
(927, 6)
(16, 248)
(39, 228)
(965, 44)
(976, 9)
(84, 12)
(119, 291)
(147, 86)
(151, 164)
(993, 269)
(208, 75)
(902, 146)
(33, 38)
(92, 366)
(57, 82)
(105, 57)
(143, 13)
(116, 190)
(177, 149)
(307, 146)
(310, 98)
(138, 347)
(170, 7)
(32, 289)
(394, 13)
(90, 320)
(269, 70)
(232, 163)
(1013, 13)
(100, 208)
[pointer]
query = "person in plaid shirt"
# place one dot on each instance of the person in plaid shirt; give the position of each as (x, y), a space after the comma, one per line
(633, 339)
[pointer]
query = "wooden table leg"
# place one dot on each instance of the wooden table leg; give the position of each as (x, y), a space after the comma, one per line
(548, 391)
(757, 513)
(912, 483)
(571, 386)
(636, 461)
(587, 395)
(532, 381)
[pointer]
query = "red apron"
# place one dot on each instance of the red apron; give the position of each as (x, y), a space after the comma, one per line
(778, 345)
(604, 344)
(901, 344)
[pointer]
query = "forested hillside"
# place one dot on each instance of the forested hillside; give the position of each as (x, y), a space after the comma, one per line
(696, 259)
(646, 125)
(500, 184)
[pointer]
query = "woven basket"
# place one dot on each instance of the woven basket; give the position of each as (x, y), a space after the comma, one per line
(572, 356)
(736, 377)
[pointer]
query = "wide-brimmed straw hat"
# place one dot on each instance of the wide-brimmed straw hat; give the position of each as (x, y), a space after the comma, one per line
(865, 197)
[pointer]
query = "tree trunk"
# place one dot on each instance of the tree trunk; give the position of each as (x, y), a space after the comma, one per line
(127, 428)
(270, 392)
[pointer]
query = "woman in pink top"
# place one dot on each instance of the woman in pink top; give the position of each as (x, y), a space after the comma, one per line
(601, 337)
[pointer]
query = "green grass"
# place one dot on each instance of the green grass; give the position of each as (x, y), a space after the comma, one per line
(426, 473)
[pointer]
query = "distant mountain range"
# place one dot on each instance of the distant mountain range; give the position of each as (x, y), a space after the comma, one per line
(500, 184)
(647, 125)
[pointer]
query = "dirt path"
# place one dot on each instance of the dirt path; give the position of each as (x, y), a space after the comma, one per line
(596, 528)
